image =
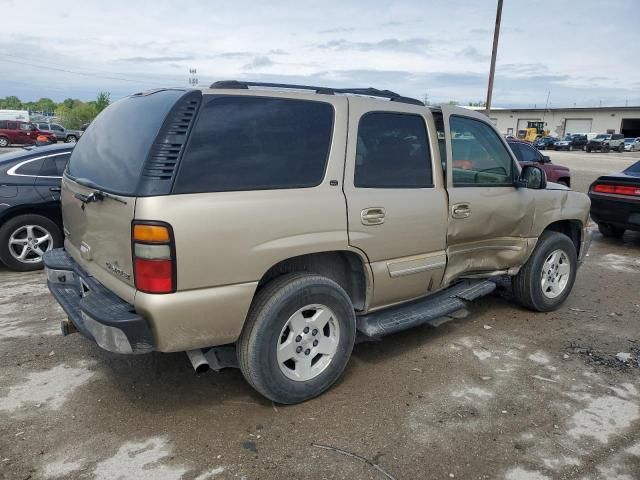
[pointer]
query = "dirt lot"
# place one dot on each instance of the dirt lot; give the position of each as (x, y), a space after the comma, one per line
(502, 393)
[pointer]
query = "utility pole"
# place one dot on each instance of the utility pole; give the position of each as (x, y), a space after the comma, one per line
(546, 105)
(494, 52)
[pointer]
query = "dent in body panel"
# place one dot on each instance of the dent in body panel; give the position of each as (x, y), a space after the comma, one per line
(556, 205)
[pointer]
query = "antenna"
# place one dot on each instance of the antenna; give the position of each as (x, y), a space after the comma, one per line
(193, 80)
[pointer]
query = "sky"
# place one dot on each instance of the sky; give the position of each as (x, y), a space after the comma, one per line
(580, 52)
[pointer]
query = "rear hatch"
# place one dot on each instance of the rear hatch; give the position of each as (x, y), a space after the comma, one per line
(130, 150)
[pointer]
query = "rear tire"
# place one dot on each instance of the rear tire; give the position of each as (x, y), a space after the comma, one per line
(279, 315)
(545, 281)
(11, 245)
(4, 142)
(610, 231)
(71, 139)
(621, 148)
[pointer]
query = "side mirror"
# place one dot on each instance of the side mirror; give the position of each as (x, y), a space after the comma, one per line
(546, 159)
(532, 177)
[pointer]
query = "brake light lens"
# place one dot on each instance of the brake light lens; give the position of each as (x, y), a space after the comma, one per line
(153, 258)
(628, 190)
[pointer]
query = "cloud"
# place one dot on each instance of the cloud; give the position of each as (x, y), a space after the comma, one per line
(258, 62)
(473, 54)
(411, 45)
(235, 55)
(157, 59)
(338, 30)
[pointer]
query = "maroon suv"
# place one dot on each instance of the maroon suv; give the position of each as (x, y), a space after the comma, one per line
(527, 154)
(21, 133)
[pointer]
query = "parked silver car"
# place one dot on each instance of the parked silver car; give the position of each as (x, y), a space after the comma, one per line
(632, 144)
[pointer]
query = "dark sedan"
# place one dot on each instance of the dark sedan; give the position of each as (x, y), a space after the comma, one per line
(615, 201)
(545, 143)
(30, 218)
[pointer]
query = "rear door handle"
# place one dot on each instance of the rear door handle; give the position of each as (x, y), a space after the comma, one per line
(372, 216)
(461, 210)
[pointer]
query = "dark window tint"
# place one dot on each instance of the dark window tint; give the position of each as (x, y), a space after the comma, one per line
(525, 153)
(12, 125)
(392, 152)
(57, 128)
(479, 156)
(54, 166)
(112, 151)
(32, 167)
(3, 124)
(256, 143)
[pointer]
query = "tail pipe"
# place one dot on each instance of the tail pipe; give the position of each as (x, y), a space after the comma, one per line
(198, 361)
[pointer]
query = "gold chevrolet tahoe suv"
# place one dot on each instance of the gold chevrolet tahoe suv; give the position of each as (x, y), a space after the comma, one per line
(266, 225)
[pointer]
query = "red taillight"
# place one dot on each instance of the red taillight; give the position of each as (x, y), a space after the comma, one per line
(617, 189)
(153, 257)
(154, 276)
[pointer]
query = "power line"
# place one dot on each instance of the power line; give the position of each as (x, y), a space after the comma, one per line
(75, 72)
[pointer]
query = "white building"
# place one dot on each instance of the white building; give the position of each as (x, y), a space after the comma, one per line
(561, 121)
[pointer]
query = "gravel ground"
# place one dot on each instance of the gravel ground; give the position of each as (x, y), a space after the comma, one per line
(502, 393)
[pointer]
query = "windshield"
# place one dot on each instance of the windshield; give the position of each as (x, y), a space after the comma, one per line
(568, 137)
(629, 140)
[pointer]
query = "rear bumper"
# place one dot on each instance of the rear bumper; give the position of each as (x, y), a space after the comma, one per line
(616, 212)
(96, 312)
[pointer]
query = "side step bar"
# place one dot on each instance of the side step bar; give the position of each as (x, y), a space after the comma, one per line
(425, 310)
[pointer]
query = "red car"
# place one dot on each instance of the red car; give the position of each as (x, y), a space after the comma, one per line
(527, 154)
(21, 133)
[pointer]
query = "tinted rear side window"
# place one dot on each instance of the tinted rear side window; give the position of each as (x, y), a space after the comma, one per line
(54, 165)
(256, 143)
(32, 167)
(392, 152)
(112, 151)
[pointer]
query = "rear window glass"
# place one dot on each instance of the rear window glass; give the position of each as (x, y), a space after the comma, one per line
(112, 151)
(54, 165)
(256, 143)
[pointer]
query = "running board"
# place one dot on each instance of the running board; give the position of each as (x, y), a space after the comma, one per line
(426, 310)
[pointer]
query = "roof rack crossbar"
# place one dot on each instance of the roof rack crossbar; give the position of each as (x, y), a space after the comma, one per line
(368, 92)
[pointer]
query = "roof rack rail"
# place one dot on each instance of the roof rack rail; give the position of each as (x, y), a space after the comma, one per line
(368, 92)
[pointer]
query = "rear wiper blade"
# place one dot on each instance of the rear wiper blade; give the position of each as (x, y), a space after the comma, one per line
(97, 196)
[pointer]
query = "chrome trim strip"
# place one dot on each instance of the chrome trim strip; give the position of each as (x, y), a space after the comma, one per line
(12, 170)
(421, 268)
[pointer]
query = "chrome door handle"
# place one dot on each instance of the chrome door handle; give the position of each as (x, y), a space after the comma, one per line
(461, 210)
(372, 216)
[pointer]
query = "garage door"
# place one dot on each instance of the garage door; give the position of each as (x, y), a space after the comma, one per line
(630, 127)
(578, 125)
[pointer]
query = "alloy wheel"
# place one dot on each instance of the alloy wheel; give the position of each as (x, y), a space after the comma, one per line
(28, 243)
(308, 342)
(556, 272)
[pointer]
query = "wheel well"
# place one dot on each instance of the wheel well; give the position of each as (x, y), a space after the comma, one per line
(344, 268)
(52, 213)
(571, 228)
(567, 180)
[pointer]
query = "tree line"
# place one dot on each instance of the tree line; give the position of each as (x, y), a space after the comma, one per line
(72, 113)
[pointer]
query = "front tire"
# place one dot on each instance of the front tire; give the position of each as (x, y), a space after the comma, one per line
(570, 148)
(297, 338)
(546, 280)
(610, 231)
(4, 142)
(25, 238)
(621, 148)
(71, 139)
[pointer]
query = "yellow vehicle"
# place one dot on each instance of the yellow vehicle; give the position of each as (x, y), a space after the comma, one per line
(533, 131)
